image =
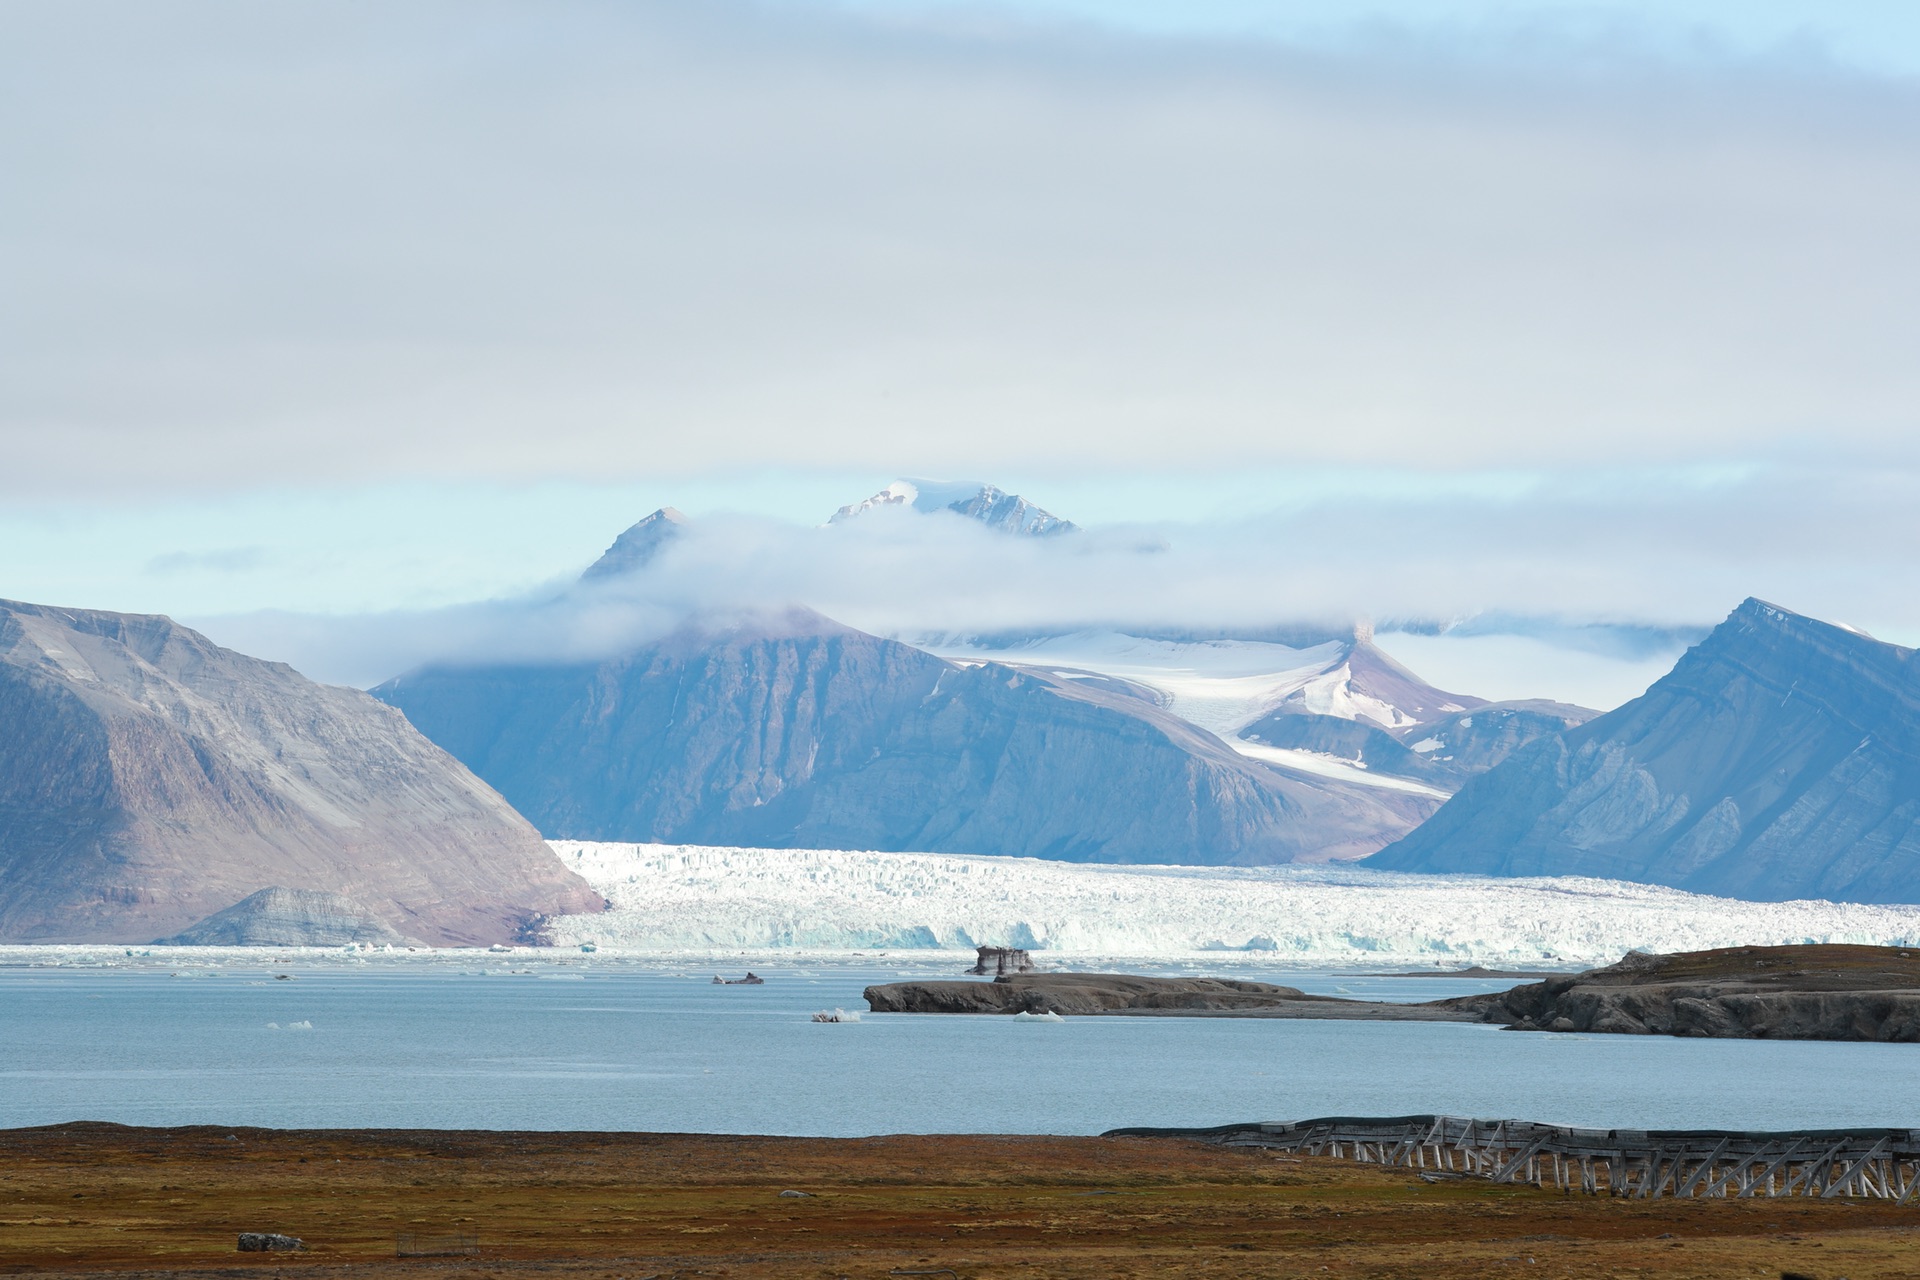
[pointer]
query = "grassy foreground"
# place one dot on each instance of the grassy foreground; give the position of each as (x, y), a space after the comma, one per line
(90, 1198)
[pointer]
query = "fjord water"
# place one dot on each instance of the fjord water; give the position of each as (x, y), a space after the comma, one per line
(661, 1048)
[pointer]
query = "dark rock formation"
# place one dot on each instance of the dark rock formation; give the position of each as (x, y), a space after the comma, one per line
(149, 778)
(1778, 993)
(269, 1242)
(1466, 743)
(282, 917)
(799, 732)
(1775, 993)
(1002, 960)
(1779, 759)
(1119, 993)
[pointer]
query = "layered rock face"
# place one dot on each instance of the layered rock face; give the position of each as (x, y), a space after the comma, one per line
(1778, 993)
(1779, 759)
(150, 778)
(802, 733)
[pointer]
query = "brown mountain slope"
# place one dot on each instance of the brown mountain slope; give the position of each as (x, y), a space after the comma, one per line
(149, 778)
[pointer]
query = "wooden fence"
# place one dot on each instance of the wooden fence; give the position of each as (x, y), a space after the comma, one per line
(1880, 1164)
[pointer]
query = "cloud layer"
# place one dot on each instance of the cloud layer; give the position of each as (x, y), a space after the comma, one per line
(300, 242)
(1628, 567)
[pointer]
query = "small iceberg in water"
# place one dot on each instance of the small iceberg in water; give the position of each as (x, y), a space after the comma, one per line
(837, 1015)
(1044, 1016)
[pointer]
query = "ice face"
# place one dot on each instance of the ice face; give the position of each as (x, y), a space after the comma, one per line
(694, 898)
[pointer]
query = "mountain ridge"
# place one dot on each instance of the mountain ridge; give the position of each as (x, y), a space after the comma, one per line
(638, 545)
(972, 499)
(802, 732)
(1780, 758)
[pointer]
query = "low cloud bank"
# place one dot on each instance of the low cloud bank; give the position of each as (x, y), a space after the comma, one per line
(1626, 571)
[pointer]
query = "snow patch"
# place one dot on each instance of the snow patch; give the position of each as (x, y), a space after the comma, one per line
(1322, 765)
(1221, 686)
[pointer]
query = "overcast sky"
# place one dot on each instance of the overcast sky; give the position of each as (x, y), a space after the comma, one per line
(1598, 310)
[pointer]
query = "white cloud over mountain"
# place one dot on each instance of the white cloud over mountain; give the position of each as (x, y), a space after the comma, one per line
(1603, 582)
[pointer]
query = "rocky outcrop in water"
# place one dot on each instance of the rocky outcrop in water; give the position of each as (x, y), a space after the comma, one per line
(1779, 759)
(1081, 994)
(1777, 993)
(799, 732)
(1770, 993)
(150, 778)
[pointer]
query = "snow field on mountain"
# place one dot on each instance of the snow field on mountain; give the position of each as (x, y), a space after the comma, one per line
(689, 898)
(1220, 685)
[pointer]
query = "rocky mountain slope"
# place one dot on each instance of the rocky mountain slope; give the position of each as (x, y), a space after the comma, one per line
(1444, 752)
(798, 732)
(637, 546)
(150, 778)
(1338, 708)
(1367, 685)
(1779, 759)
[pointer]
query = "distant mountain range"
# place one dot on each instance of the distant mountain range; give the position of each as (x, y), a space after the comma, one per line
(612, 750)
(155, 785)
(799, 732)
(639, 545)
(150, 778)
(1007, 512)
(1779, 759)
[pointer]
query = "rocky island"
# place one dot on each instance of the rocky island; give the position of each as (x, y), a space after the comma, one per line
(1120, 993)
(1826, 992)
(1815, 992)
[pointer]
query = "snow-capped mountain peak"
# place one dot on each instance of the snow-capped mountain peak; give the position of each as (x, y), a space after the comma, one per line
(973, 499)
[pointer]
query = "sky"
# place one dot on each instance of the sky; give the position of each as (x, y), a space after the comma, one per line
(328, 322)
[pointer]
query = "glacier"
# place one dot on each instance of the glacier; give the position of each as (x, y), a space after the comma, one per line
(703, 899)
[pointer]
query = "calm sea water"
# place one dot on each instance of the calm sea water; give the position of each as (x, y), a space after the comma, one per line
(661, 1048)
